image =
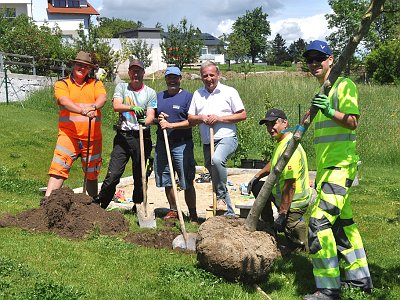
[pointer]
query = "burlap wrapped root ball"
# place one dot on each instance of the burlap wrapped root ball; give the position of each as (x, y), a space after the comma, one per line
(225, 248)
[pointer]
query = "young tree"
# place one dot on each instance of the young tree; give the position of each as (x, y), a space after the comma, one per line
(255, 28)
(346, 12)
(238, 47)
(139, 49)
(182, 45)
(296, 50)
(106, 57)
(22, 36)
(279, 50)
(110, 28)
(377, 65)
(388, 23)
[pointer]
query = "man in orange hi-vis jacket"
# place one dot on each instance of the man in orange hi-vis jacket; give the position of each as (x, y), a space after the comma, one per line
(80, 99)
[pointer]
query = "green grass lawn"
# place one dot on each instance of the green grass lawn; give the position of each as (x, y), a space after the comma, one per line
(45, 266)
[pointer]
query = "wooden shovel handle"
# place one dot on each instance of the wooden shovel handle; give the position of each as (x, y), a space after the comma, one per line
(211, 157)
(143, 167)
(172, 174)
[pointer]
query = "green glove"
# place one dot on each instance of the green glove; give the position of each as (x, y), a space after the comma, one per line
(138, 110)
(323, 103)
(141, 121)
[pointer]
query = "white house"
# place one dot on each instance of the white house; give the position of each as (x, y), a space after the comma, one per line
(67, 14)
(153, 36)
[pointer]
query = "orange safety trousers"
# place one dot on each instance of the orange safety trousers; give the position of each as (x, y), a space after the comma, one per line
(68, 149)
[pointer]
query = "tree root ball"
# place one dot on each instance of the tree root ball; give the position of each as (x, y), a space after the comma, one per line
(227, 249)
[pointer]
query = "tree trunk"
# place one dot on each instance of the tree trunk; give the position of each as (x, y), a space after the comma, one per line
(374, 10)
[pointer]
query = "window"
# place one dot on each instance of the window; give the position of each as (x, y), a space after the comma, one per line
(204, 51)
(69, 3)
(60, 3)
(73, 3)
(8, 13)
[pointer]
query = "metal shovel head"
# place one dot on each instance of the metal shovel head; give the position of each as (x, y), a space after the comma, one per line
(190, 244)
(147, 219)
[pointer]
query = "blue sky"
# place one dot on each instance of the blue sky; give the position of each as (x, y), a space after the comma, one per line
(291, 18)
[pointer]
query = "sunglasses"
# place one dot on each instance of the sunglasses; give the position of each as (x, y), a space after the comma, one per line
(318, 59)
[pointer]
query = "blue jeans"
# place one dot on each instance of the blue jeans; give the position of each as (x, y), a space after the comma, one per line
(182, 161)
(224, 149)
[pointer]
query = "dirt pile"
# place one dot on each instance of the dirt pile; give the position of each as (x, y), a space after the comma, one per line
(225, 248)
(68, 215)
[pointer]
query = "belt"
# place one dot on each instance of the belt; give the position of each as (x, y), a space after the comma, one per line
(134, 133)
(177, 140)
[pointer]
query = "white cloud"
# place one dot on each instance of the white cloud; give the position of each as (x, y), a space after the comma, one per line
(225, 26)
(298, 18)
(309, 28)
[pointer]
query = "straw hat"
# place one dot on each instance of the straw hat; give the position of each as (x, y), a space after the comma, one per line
(84, 58)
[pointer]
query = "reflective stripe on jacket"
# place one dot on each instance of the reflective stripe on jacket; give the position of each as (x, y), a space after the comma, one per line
(334, 144)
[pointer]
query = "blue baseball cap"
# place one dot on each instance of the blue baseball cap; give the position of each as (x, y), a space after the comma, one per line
(320, 46)
(173, 71)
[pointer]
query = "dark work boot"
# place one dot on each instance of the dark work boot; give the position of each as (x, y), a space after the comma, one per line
(365, 285)
(96, 200)
(324, 294)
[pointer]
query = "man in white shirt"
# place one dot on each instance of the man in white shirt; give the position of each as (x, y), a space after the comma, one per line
(219, 106)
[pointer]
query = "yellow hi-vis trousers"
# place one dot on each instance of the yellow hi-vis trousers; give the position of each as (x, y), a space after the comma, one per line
(332, 229)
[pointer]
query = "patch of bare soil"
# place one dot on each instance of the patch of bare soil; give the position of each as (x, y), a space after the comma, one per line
(68, 215)
(224, 247)
(159, 239)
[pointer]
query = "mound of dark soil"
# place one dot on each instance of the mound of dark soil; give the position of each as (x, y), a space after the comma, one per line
(225, 248)
(69, 215)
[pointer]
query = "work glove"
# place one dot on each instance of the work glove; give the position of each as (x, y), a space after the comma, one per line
(251, 183)
(280, 222)
(322, 102)
(138, 110)
(142, 121)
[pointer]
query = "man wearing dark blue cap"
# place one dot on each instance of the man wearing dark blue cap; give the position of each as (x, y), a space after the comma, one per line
(172, 109)
(331, 227)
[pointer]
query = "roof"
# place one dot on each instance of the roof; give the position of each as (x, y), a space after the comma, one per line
(89, 10)
(208, 39)
(140, 29)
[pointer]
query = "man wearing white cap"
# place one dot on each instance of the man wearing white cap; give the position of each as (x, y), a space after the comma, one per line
(172, 109)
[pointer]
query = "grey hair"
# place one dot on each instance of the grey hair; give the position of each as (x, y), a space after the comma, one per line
(208, 63)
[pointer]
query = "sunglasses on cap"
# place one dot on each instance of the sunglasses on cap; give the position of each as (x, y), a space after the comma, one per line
(318, 58)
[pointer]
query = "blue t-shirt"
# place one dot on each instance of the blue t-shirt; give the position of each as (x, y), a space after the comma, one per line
(176, 107)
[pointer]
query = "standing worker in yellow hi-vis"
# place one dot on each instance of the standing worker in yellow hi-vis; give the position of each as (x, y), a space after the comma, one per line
(331, 227)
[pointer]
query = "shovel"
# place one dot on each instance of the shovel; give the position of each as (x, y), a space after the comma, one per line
(211, 157)
(185, 240)
(146, 219)
(87, 159)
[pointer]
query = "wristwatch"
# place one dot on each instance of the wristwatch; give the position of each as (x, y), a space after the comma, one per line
(94, 106)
